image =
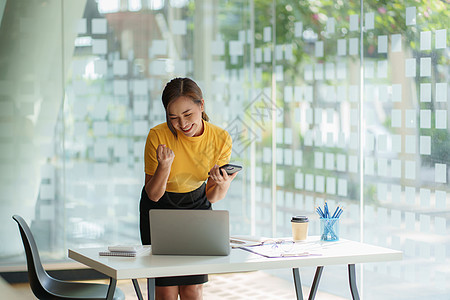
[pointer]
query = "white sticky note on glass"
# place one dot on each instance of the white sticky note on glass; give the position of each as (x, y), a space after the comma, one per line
(100, 150)
(318, 72)
(382, 143)
(120, 87)
(329, 161)
(308, 93)
(382, 69)
(410, 16)
(308, 138)
(100, 66)
(353, 93)
(341, 162)
(99, 26)
(140, 108)
(396, 93)
(425, 222)
(396, 218)
(353, 164)
(425, 145)
(308, 72)
(279, 74)
(267, 54)
(370, 142)
(410, 170)
(369, 166)
(267, 155)
(279, 52)
(342, 47)
(342, 187)
(410, 221)
(396, 43)
(410, 195)
(267, 35)
(383, 92)
(382, 43)
(381, 193)
(425, 118)
(298, 29)
(341, 93)
(341, 70)
(258, 55)
(280, 177)
(440, 173)
(288, 94)
(100, 128)
(440, 225)
(320, 184)
(331, 25)
(179, 27)
(425, 40)
(396, 143)
(288, 136)
(99, 46)
(158, 67)
(140, 128)
(331, 185)
(159, 47)
(396, 168)
(217, 47)
(353, 46)
(120, 67)
(81, 27)
(288, 54)
(236, 48)
(441, 39)
(441, 92)
(396, 118)
(410, 144)
(309, 182)
(319, 49)
(425, 92)
(298, 158)
(410, 118)
(369, 21)
(288, 157)
(410, 67)
(369, 69)
(382, 165)
(425, 66)
(396, 192)
(441, 119)
(441, 197)
(354, 20)
(318, 160)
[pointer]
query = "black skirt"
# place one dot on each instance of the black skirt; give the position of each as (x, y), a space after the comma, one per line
(195, 199)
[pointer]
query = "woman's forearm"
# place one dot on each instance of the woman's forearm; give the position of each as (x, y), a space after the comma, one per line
(156, 186)
(216, 192)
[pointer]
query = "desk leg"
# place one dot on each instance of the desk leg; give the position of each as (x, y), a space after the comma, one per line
(297, 283)
(352, 281)
(151, 288)
(111, 288)
(137, 289)
(315, 285)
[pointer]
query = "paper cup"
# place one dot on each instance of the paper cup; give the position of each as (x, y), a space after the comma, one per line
(299, 228)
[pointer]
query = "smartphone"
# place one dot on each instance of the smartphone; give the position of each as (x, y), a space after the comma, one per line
(231, 169)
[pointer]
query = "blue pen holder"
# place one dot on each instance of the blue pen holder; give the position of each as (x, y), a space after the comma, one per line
(329, 229)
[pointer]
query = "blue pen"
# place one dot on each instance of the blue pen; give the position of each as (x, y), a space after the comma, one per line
(327, 214)
(335, 212)
(340, 213)
(321, 212)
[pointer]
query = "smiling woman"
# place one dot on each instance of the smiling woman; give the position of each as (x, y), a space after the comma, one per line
(182, 159)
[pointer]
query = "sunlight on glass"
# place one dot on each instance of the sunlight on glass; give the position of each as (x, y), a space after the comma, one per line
(178, 3)
(89, 71)
(134, 5)
(108, 6)
(156, 4)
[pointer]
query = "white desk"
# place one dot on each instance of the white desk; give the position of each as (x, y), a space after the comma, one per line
(152, 266)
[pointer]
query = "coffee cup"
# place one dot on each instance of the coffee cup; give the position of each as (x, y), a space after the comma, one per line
(299, 228)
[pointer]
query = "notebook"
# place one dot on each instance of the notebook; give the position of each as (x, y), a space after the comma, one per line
(125, 250)
(189, 232)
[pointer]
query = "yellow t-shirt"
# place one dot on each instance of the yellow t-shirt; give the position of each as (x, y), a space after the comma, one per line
(194, 156)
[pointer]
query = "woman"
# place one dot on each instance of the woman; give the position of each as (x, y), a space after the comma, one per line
(182, 159)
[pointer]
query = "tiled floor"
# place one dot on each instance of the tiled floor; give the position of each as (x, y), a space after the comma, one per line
(250, 285)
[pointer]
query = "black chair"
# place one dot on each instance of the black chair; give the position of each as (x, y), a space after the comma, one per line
(46, 287)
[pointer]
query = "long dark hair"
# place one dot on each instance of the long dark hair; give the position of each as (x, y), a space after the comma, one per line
(179, 87)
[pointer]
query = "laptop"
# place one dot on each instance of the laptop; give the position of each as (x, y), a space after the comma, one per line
(189, 232)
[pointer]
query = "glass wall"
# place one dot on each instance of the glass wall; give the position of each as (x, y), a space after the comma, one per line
(323, 103)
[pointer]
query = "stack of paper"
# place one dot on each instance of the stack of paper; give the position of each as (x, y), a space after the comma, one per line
(126, 250)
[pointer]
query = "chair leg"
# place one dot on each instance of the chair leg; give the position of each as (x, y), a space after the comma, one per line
(111, 288)
(137, 289)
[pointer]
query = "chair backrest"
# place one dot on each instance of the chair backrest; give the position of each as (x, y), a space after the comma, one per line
(36, 274)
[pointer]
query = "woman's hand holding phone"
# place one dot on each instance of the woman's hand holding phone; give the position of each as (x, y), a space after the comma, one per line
(221, 175)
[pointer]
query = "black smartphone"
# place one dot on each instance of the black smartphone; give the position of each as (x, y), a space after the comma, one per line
(231, 169)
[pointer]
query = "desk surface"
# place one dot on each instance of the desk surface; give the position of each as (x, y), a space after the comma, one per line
(150, 266)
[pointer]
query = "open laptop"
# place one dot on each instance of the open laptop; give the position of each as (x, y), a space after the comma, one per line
(190, 232)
